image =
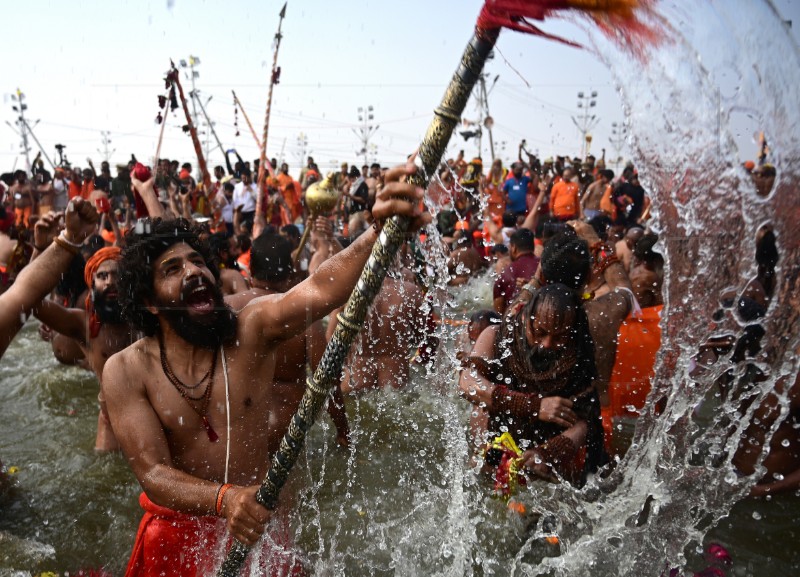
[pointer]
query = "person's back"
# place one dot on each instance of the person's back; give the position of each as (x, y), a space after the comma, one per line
(564, 203)
(393, 327)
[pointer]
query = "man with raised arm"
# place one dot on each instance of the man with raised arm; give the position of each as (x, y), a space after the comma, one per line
(99, 329)
(42, 275)
(190, 401)
(39, 277)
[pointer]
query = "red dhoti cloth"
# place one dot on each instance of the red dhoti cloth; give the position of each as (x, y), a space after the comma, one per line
(170, 543)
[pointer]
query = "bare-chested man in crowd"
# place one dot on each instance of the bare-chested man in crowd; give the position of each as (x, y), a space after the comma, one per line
(782, 461)
(38, 278)
(188, 401)
(98, 329)
(271, 271)
(22, 193)
(394, 327)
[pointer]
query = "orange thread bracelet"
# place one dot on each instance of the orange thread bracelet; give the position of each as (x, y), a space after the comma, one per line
(220, 495)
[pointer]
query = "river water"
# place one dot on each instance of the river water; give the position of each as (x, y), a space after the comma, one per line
(404, 500)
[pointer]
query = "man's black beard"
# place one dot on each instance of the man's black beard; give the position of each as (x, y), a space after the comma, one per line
(108, 310)
(206, 331)
(543, 359)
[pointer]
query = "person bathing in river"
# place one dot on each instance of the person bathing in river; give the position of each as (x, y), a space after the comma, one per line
(271, 271)
(189, 400)
(534, 376)
(99, 329)
(38, 278)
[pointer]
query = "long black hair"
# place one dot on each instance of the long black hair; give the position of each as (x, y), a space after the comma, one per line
(144, 244)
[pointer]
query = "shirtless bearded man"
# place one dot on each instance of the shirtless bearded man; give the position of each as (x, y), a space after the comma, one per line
(99, 329)
(188, 401)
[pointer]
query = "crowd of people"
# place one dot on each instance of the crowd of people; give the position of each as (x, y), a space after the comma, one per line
(200, 313)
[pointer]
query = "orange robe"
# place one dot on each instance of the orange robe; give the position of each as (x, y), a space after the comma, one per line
(172, 543)
(638, 342)
(564, 200)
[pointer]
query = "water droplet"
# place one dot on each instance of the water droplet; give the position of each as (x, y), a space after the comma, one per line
(785, 443)
(756, 515)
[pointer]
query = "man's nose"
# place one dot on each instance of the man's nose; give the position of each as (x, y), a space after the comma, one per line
(546, 342)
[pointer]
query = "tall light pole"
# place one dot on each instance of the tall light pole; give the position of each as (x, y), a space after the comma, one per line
(366, 130)
(587, 121)
(105, 134)
(619, 133)
(195, 94)
(21, 107)
(487, 121)
(193, 74)
(26, 129)
(302, 147)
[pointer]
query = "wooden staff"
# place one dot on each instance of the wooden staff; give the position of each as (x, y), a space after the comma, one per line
(262, 164)
(174, 76)
(246, 119)
(160, 137)
(446, 117)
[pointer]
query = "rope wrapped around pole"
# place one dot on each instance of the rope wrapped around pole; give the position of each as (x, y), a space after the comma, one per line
(320, 385)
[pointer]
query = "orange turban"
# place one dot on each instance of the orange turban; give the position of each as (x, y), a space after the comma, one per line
(98, 258)
(101, 256)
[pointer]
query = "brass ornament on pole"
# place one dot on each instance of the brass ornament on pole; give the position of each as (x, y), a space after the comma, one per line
(321, 198)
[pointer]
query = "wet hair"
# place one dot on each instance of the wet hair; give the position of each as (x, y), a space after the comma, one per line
(139, 259)
(102, 183)
(608, 174)
(291, 231)
(72, 283)
(271, 258)
(509, 219)
(522, 239)
(485, 316)
(94, 243)
(601, 224)
(218, 243)
(551, 228)
(643, 252)
(566, 260)
(245, 242)
(375, 165)
(228, 186)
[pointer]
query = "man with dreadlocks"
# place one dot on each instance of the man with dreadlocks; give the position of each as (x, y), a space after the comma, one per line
(534, 375)
(190, 401)
(99, 330)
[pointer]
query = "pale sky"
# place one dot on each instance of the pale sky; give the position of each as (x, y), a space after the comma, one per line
(98, 66)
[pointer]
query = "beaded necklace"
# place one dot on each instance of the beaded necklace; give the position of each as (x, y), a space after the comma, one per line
(183, 389)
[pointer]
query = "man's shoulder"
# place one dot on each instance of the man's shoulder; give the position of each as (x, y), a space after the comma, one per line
(134, 354)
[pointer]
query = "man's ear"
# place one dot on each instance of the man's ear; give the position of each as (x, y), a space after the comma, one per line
(151, 308)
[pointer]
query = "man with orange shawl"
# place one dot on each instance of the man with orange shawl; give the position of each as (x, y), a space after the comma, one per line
(99, 329)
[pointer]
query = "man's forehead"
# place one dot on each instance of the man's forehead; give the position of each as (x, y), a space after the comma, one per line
(177, 250)
(109, 265)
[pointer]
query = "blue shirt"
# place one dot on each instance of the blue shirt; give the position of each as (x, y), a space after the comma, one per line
(517, 191)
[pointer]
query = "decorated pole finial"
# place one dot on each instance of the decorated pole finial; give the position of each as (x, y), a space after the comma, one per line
(263, 165)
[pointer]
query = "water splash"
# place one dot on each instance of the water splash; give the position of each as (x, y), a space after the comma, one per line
(677, 480)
